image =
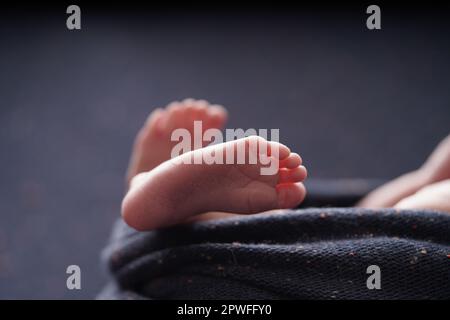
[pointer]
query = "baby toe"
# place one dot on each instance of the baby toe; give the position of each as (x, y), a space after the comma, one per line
(201, 103)
(154, 122)
(175, 116)
(290, 195)
(278, 150)
(154, 116)
(268, 148)
(292, 175)
(174, 105)
(188, 102)
(292, 161)
(217, 115)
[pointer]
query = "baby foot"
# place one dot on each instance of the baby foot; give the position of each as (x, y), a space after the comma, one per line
(176, 190)
(435, 169)
(153, 143)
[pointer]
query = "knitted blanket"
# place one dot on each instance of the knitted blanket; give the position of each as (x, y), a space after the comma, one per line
(311, 253)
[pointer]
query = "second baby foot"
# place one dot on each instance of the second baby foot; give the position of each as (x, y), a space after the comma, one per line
(177, 190)
(153, 143)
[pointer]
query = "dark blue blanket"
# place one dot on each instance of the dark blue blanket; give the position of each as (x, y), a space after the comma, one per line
(316, 253)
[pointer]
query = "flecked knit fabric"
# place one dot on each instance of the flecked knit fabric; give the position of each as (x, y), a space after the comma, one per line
(315, 253)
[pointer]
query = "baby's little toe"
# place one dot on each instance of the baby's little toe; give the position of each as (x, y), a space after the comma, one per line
(290, 195)
(154, 123)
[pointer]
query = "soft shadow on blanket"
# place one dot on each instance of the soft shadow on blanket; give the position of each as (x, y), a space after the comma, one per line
(315, 253)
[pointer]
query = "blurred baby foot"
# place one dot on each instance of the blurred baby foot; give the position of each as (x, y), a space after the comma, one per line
(153, 143)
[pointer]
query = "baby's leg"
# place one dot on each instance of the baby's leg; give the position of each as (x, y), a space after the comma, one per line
(435, 169)
(393, 191)
(153, 143)
(175, 191)
(433, 197)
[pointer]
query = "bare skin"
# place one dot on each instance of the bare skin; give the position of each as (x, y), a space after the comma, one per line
(152, 145)
(426, 188)
(164, 191)
(175, 191)
(436, 196)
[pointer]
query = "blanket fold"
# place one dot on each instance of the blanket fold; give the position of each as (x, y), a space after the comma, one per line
(311, 253)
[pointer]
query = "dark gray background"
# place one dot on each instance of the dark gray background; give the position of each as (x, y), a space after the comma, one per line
(352, 102)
